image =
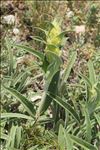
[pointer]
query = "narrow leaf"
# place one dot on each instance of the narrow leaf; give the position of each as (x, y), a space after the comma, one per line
(15, 115)
(92, 75)
(18, 77)
(36, 53)
(3, 136)
(97, 116)
(10, 51)
(41, 29)
(68, 68)
(22, 83)
(67, 107)
(36, 38)
(47, 99)
(33, 147)
(11, 140)
(61, 139)
(69, 143)
(86, 80)
(18, 136)
(88, 125)
(84, 144)
(26, 103)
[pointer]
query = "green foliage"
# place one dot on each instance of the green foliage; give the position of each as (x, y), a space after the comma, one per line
(92, 15)
(15, 115)
(27, 104)
(81, 114)
(66, 140)
(13, 142)
(61, 115)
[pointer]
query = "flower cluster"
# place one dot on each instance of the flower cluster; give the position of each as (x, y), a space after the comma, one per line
(53, 38)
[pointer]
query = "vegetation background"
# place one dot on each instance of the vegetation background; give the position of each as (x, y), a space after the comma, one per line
(50, 75)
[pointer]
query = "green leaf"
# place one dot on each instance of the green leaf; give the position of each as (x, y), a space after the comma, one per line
(86, 80)
(53, 49)
(88, 125)
(50, 47)
(33, 147)
(97, 116)
(18, 137)
(41, 30)
(10, 51)
(68, 69)
(13, 142)
(18, 77)
(69, 143)
(92, 75)
(51, 84)
(67, 107)
(98, 96)
(3, 136)
(61, 139)
(22, 83)
(53, 67)
(36, 53)
(15, 115)
(11, 139)
(62, 34)
(37, 38)
(47, 99)
(84, 144)
(26, 103)
(64, 139)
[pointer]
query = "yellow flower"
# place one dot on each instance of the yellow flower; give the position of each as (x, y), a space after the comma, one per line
(54, 39)
(55, 31)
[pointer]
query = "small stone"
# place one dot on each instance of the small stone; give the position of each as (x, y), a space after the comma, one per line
(9, 19)
(36, 97)
(70, 14)
(80, 29)
(16, 31)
